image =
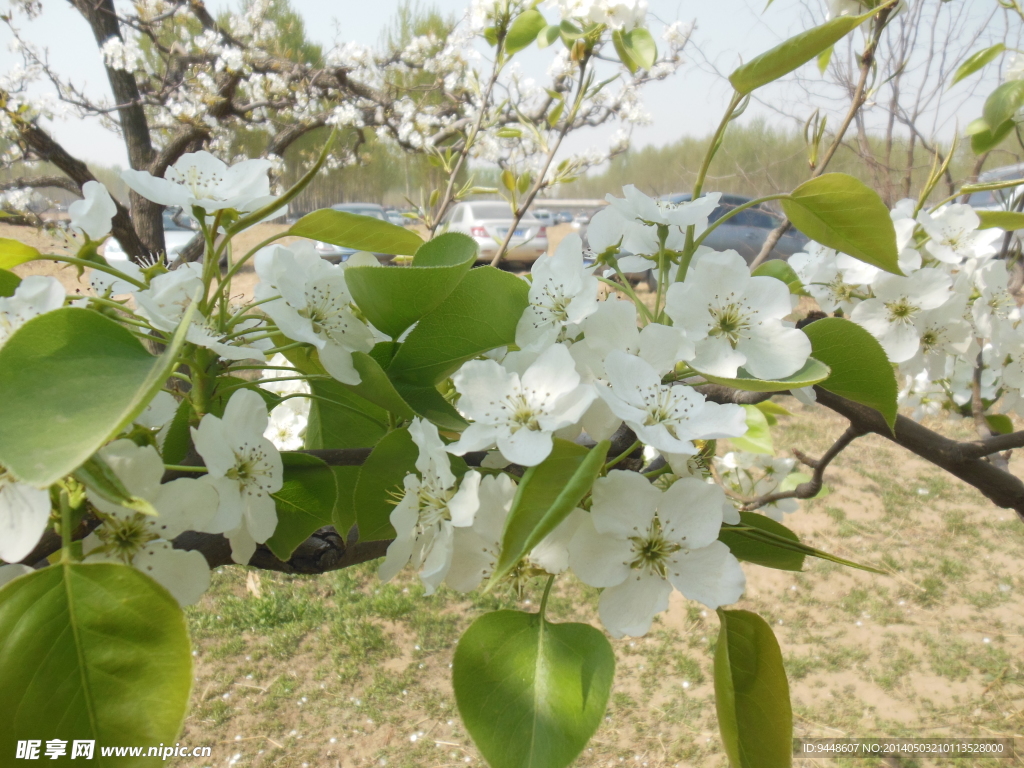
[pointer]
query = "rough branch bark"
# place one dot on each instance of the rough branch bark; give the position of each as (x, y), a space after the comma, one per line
(102, 18)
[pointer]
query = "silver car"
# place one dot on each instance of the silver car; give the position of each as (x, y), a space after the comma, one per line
(179, 230)
(489, 222)
(998, 199)
(336, 253)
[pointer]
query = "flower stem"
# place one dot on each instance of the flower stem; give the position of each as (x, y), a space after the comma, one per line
(544, 599)
(636, 444)
(65, 527)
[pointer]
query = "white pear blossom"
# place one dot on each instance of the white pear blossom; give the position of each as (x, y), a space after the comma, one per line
(518, 413)
(476, 548)
(435, 503)
(736, 320)
(200, 179)
(833, 279)
(996, 305)
(563, 293)
(639, 542)
(34, 296)
(892, 314)
(93, 213)
(287, 426)
(664, 416)
(245, 468)
(24, 512)
(128, 536)
(614, 326)
(943, 332)
(170, 294)
(315, 306)
(955, 234)
(631, 225)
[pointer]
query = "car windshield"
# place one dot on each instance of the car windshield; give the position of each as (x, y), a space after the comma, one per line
(491, 211)
(375, 213)
(175, 221)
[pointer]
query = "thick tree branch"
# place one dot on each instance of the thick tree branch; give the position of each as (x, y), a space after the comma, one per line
(324, 551)
(40, 182)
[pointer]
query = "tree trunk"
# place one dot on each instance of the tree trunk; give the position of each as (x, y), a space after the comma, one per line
(146, 215)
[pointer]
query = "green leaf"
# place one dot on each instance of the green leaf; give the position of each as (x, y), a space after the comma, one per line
(751, 693)
(771, 410)
(813, 372)
(781, 271)
(305, 502)
(393, 298)
(382, 482)
(14, 252)
(72, 379)
(352, 230)
(976, 61)
(1000, 423)
(344, 516)
(790, 54)
(758, 551)
(758, 438)
(824, 59)
(178, 439)
(546, 495)
(531, 693)
(524, 30)
(636, 49)
(9, 283)
(985, 139)
(92, 651)
(548, 35)
(376, 387)
(340, 419)
(98, 476)
(479, 315)
(860, 369)
(765, 534)
(1002, 104)
(1005, 220)
(842, 212)
(431, 405)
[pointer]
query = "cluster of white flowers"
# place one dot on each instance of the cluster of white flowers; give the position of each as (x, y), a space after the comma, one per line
(617, 14)
(950, 311)
(584, 365)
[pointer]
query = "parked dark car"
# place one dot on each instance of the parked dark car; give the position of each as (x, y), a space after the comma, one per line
(746, 232)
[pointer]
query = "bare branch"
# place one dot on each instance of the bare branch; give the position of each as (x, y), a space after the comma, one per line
(813, 486)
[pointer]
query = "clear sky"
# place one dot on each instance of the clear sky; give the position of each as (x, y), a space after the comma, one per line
(691, 102)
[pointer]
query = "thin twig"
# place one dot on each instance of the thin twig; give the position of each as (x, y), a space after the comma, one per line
(813, 486)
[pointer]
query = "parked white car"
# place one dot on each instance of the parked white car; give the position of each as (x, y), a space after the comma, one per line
(998, 199)
(178, 231)
(488, 223)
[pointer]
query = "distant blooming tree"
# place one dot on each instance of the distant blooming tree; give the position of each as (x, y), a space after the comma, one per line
(484, 431)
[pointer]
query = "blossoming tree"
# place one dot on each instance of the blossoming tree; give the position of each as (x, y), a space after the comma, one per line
(479, 429)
